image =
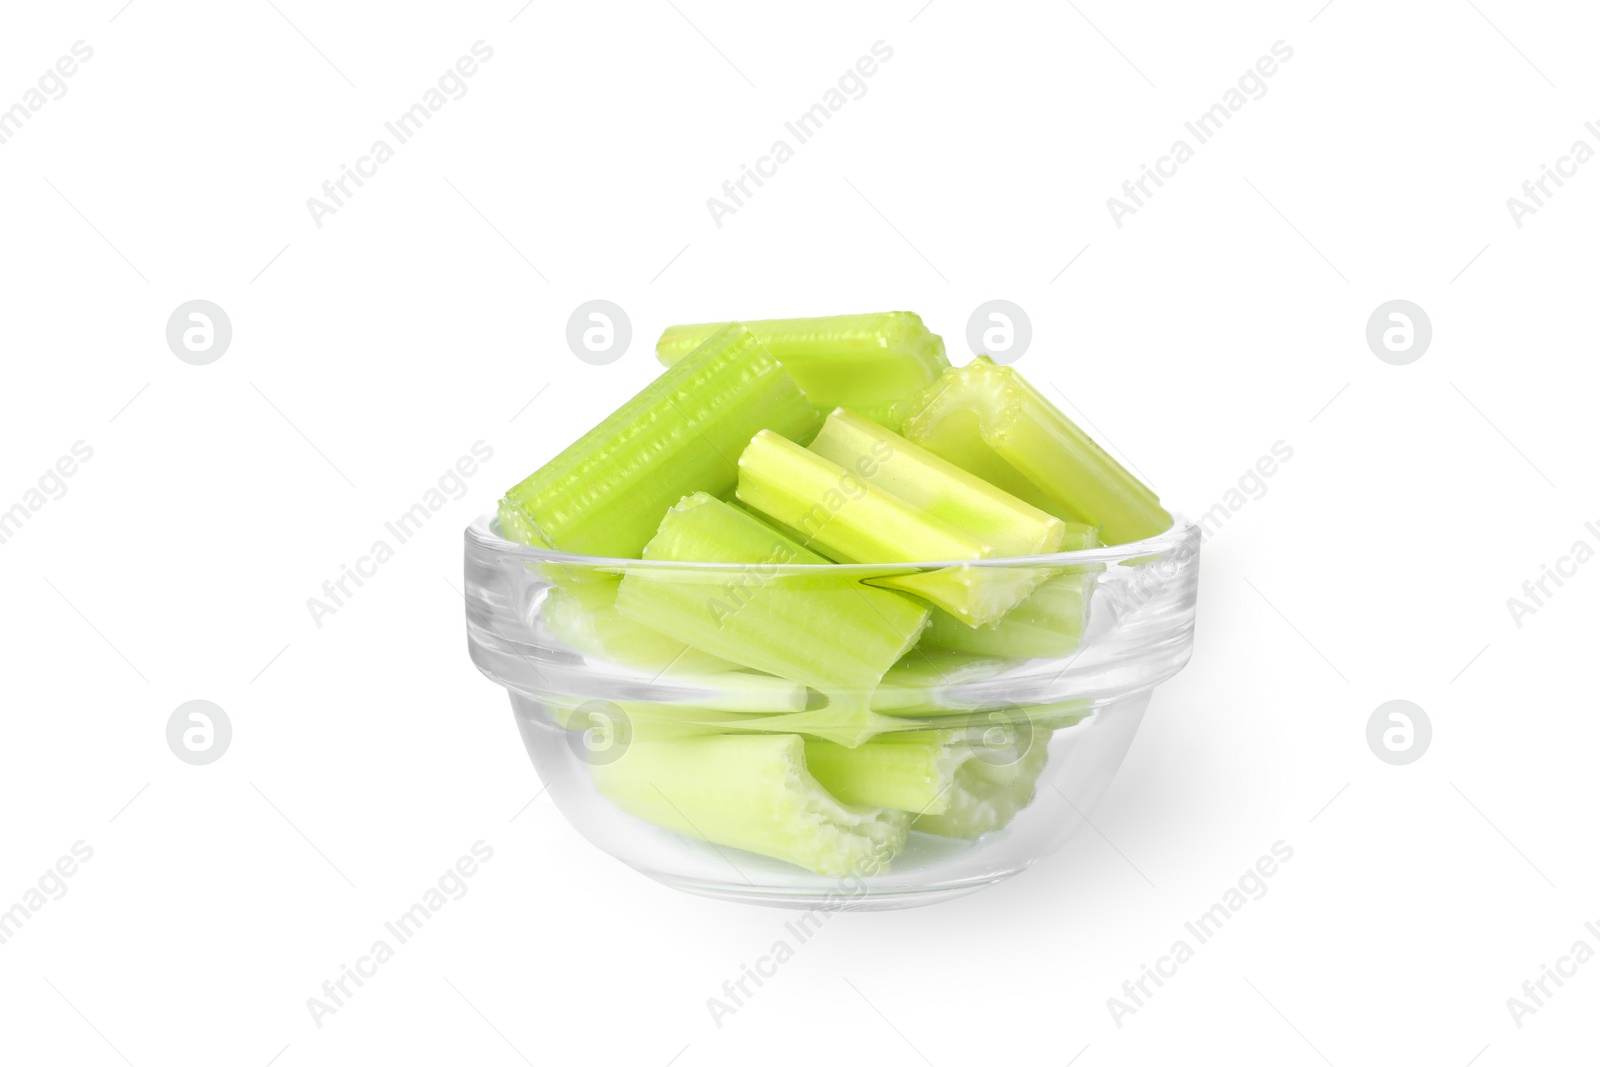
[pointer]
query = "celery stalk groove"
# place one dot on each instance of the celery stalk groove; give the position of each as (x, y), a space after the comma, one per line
(874, 363)
(986, 419)
(605, 494)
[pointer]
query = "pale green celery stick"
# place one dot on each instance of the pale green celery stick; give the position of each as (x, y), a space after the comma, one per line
(821, 629)
(1047, 625)
(514, 527)
(917, 685)
(737, 692)
(987, 420)
(979, 719)
(1081, 537)
(850, 520)
(842, 514)
(938, 488)
(659, 719)
(976, 596)
(751, 792)
(889, 416)
(743, 692)
(605, 494)
(767, 520)
(875, 363)
(954, 782)
(742, 707)
(846, 723)
(908, 711)
(584, 616)
(986, 795)
(913, 771)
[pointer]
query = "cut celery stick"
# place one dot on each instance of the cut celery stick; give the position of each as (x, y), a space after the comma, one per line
(987, 793)
(952, 784)
(850, 520)
(846, 723)
(736, 692)
(742, 692)
(912, 771)
(938, 488)
(583, 615)
(975, 806)
(748, 706)
(840, 513)
(824, 630)
(615, 721)
(875, 363)
(605, 494)
(1049, 624)
(979, 719)
(890, 416)
(514, 527)
(919, 685)
(849, 729)
(987, 420)
(751, 792)
(767, 520)
(660, 719)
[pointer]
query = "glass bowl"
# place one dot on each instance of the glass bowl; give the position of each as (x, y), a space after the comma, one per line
(957, 771)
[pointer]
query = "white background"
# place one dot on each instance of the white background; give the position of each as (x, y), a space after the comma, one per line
(1226, 315)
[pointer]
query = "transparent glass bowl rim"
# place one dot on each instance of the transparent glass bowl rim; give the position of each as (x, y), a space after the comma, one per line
(1181, 538)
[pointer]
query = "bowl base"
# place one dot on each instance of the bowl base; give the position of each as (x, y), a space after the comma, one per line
(885, 899)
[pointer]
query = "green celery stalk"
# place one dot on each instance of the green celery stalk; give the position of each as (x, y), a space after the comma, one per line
(851, 520)
(949, 713)
(823, 630)
(951, 783)
(1049, 624)
(583, 615)
(919, 685)
(987, 420)
(875, 363)
(842, 514)
(659, 719)
(985, 795)
(683, 432)
(751, 792)
(1012, 527)
(845, 722)
(890, 416)
(514, 526)
(913, 771)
